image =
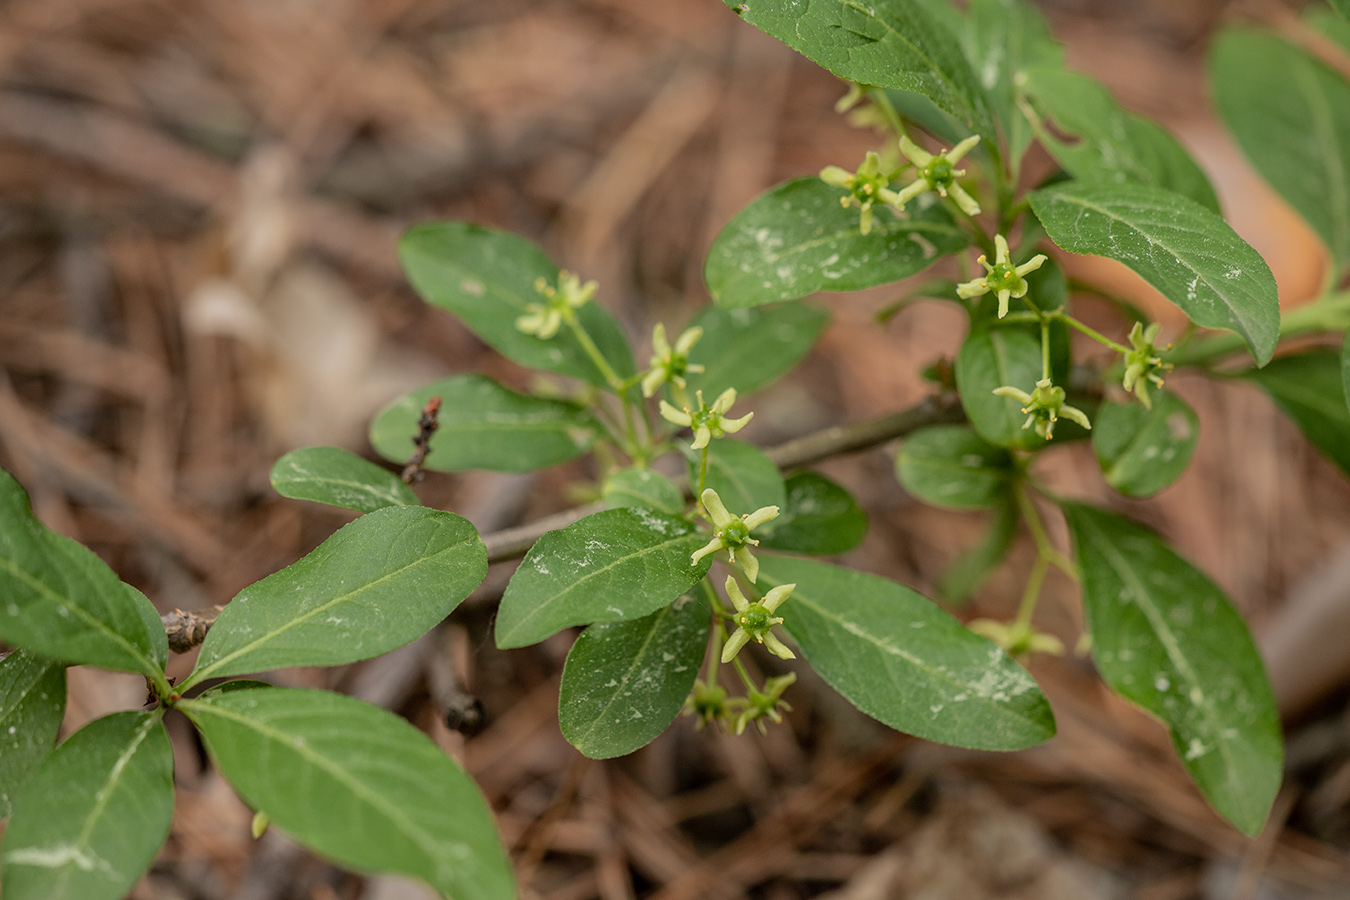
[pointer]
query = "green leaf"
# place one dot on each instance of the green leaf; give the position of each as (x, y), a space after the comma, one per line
(888, 43)
(1102, 142)
(1290, 114)
(901, 659)
(485, 426)
(613, 565)
(375, 585)
(952, 466)
(644, 488)
(991, 359)
(92, 816)
(339, 478)
(1309, 389)
(742, 475)
(487, 278)
(358, 785)
(797, 239)
(819, 518)
(1341, 6)
(32, 702)
(1185, 251)
(1328, 23)
(60, 601)
(1141, 451)
(624, 682)
(1165, 637)
(968, 571)
(748, 349)
(1345, 367)
(1005, 38)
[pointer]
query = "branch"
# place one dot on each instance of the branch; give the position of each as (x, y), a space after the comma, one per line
(510, 543)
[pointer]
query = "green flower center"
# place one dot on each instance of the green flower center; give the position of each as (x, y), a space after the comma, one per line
(1003, 277)
(865, 188)
(756, 619)
(734, 535)
(940, 173)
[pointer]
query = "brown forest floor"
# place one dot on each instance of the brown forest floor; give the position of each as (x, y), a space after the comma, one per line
(199, 201)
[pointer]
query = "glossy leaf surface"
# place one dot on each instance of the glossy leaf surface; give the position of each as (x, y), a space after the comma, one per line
(888, 43)
(1004, 39)
(1309, 389)
(796, 239)
(819, 518)
(899, 658)
(743, 476)
(485, 426)
(624, 682)
(644, 488)
(1141, 451)
(992, 359)
(358, 785)
(339, 478)
(90, 819)
(1290, 114)
(376, 584)
(32, 702)
(613, 565)
(748, 349)
(487, 277)
(1094, 139)
(59, 600)
(952, 466)
(1185, 251)
(1165, 637)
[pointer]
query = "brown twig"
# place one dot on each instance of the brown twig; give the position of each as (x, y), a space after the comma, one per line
(426, 427)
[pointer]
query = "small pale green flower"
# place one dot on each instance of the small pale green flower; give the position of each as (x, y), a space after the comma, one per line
(1018, 639)
(709, 703)
(732, 534)
(753, 621)
(670, 364)
(939, 173)
(1142, 364)
(1044, 406)
(1002, 277)
(560, 304)
(867, 187)
(766, 704)
(707, 421)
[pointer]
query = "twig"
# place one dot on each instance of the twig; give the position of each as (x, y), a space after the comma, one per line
(426, 427)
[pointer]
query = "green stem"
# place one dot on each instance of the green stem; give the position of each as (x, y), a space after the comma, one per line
(702, 476)
(745, 676)
(888, 112)
(1044, 547)
(719, 631)
(1031, 595)
(1045, 349)
(1092, 333)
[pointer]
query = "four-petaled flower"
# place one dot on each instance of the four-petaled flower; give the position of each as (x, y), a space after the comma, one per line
(1002, 277)
(1044, 406)
(867, 187)
(707, 421)
(766, 703)
(560, 304)
(939, 173)
(670, 364)
(1142, 364)
(732, 534)
(753, 620)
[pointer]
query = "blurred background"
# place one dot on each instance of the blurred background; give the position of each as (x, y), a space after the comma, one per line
(199, 205)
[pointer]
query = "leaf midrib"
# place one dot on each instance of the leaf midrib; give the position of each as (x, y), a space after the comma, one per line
(637, 659)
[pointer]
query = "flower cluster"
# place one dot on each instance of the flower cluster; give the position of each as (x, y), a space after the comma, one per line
(670, 364)
(1018, 638)
(754, 621)
(732, 534)
(1142, 363)
(707, 421)
(560, 304)
(1002, 277)
(1044, 406)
